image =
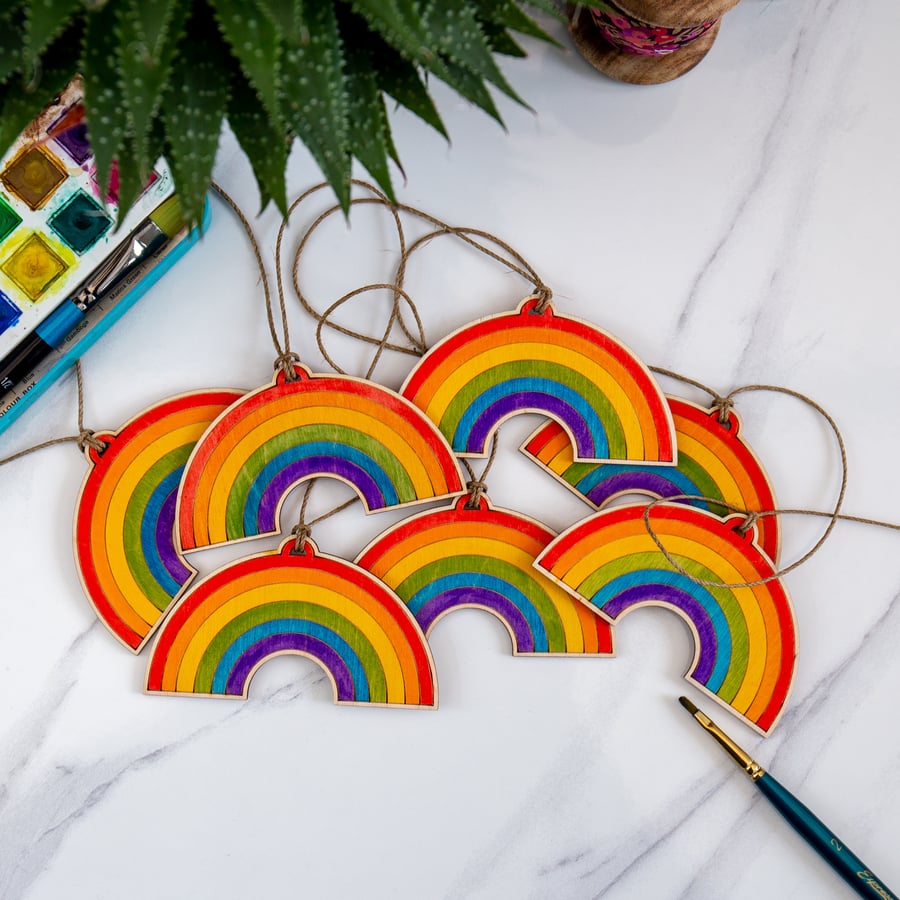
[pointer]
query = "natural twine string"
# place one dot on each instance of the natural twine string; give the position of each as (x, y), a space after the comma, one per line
(477, 485)
(724, 404)
(416, 345)
(84, 438)
(517, 263)
(302, 531)
(286, 359)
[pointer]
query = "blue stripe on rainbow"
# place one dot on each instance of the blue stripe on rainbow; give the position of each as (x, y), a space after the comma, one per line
(157, 523)
(479, 587)
(248, 641)
(485, 412)
(483, 557)
(620, 594)
(310, 458)
(745, 637)
(536, 360)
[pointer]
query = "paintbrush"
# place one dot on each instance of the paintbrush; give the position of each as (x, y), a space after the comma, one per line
(154, 232)
(831, 848)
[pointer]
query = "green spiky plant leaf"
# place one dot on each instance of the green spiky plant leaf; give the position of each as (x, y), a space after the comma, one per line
(161, 77)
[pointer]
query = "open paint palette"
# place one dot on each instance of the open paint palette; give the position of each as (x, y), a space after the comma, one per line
(57, 227)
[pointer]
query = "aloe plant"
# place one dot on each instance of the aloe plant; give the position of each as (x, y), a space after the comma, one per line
(160, 76)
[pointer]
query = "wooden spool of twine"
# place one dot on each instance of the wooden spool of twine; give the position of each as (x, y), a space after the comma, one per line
(646, 41)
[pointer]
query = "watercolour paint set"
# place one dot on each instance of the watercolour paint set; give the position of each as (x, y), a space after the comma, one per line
(68, 271)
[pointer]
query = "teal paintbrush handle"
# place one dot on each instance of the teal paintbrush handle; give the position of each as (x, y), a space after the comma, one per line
(830, 847)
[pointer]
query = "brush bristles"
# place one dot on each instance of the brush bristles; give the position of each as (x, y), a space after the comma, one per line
(688, 705)
(168, 217)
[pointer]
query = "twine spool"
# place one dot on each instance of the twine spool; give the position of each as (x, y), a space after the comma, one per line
(646, 41)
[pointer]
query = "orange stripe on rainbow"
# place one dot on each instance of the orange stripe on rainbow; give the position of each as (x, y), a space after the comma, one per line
(123, 537)
(304, 603)
(287, 432)
(484, 558)
(605, 398)
(745, 638)
(714, 461)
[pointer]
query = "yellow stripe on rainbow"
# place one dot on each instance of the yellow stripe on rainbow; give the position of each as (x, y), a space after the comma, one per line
(483, 557)
(287, 432)
(530, 361)
(294, 603)
(744, 635)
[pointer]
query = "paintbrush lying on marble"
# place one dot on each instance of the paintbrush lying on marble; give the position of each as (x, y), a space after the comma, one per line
(833, 850)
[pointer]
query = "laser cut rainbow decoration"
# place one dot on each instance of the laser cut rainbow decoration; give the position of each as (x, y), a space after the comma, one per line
(257, 451)
(714, 461)
(603, 396)
(484, 558)
(745, 642)
(125, 515)
(307, 604)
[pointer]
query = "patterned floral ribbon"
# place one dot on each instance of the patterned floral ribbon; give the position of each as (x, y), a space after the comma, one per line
(641, 38)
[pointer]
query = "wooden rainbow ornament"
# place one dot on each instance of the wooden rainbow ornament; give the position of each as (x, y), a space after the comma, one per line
(534, 360)
(714, 461)
(745, 638)
(275, 437)
(294, 602)
(472, 554)
(125, 551)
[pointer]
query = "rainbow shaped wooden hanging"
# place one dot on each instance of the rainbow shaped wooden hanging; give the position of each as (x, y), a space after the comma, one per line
(525, 361)
(484, 558)
(259, 449)
(300, 603)
(714, 461)
(745, 638)
(124, 519)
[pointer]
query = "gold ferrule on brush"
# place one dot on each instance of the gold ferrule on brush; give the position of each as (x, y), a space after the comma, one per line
(741, 757)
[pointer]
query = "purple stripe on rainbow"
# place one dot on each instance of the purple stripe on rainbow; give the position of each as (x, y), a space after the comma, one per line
(683, 601)
(630, 482)
(501, 606)
(165, 540)
(302, 643)
(309, 466)
(553, 406)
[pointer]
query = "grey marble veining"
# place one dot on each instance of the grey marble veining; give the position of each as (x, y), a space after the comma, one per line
(738, 225)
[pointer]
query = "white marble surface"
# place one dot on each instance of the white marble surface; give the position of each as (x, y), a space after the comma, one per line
(740, 225)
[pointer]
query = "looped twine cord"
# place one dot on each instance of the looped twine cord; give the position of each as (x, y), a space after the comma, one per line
(477, 484)
(284, 359)
(413, 333)
(302, 531)
(286, 362)
(751, 519)
(84, 438)
(744, 527)
(724, 404)
(544, 297)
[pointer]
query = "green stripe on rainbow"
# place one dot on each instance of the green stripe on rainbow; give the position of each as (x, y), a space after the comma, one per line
(745, 640)
(601, 394)
(302, 603)
(714, 461)
(484, 557)
(287, 432)
(125, 515)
